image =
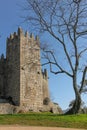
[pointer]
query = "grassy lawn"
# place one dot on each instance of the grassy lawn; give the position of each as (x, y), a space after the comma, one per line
(45, 119)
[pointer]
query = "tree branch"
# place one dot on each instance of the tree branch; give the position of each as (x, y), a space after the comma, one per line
(82, 52)
(83, 79)
(61, 70)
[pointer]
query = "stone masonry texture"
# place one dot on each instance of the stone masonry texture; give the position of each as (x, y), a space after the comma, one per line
(21, 80)
(23, 84)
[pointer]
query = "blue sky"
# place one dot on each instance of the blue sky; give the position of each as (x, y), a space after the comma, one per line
(10, 18)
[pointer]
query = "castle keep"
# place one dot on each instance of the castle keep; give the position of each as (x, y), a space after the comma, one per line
(21, 78)
(23, 85)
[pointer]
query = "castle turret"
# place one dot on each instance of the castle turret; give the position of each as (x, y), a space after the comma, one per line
(21, 78)
(22, 83)
(25, 82)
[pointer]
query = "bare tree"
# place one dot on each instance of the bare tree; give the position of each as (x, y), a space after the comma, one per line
(66, 22)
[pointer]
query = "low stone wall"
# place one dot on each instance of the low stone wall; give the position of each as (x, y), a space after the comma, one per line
(6, 108)
(53, 107)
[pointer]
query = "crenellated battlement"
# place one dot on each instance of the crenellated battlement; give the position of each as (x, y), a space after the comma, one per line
(21, 34)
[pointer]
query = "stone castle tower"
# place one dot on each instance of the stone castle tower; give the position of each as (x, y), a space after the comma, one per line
(23, 84)
(21, 78)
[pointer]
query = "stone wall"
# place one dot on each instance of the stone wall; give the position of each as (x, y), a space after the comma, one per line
(31, 94)
(22, 83)
(26, 83)
(46, 96)
(13, 68)
(2, 75)
(6, 108)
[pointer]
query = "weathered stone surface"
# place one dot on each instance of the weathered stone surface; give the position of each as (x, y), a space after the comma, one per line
(6, 108)
(55, 108)
(21, 78)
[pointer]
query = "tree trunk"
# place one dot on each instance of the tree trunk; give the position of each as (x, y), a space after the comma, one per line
(76, 106)
(77, 103)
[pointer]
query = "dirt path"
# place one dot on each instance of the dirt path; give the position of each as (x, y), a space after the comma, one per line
(34, 128)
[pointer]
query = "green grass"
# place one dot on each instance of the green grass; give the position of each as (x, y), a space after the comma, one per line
(45, 119)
